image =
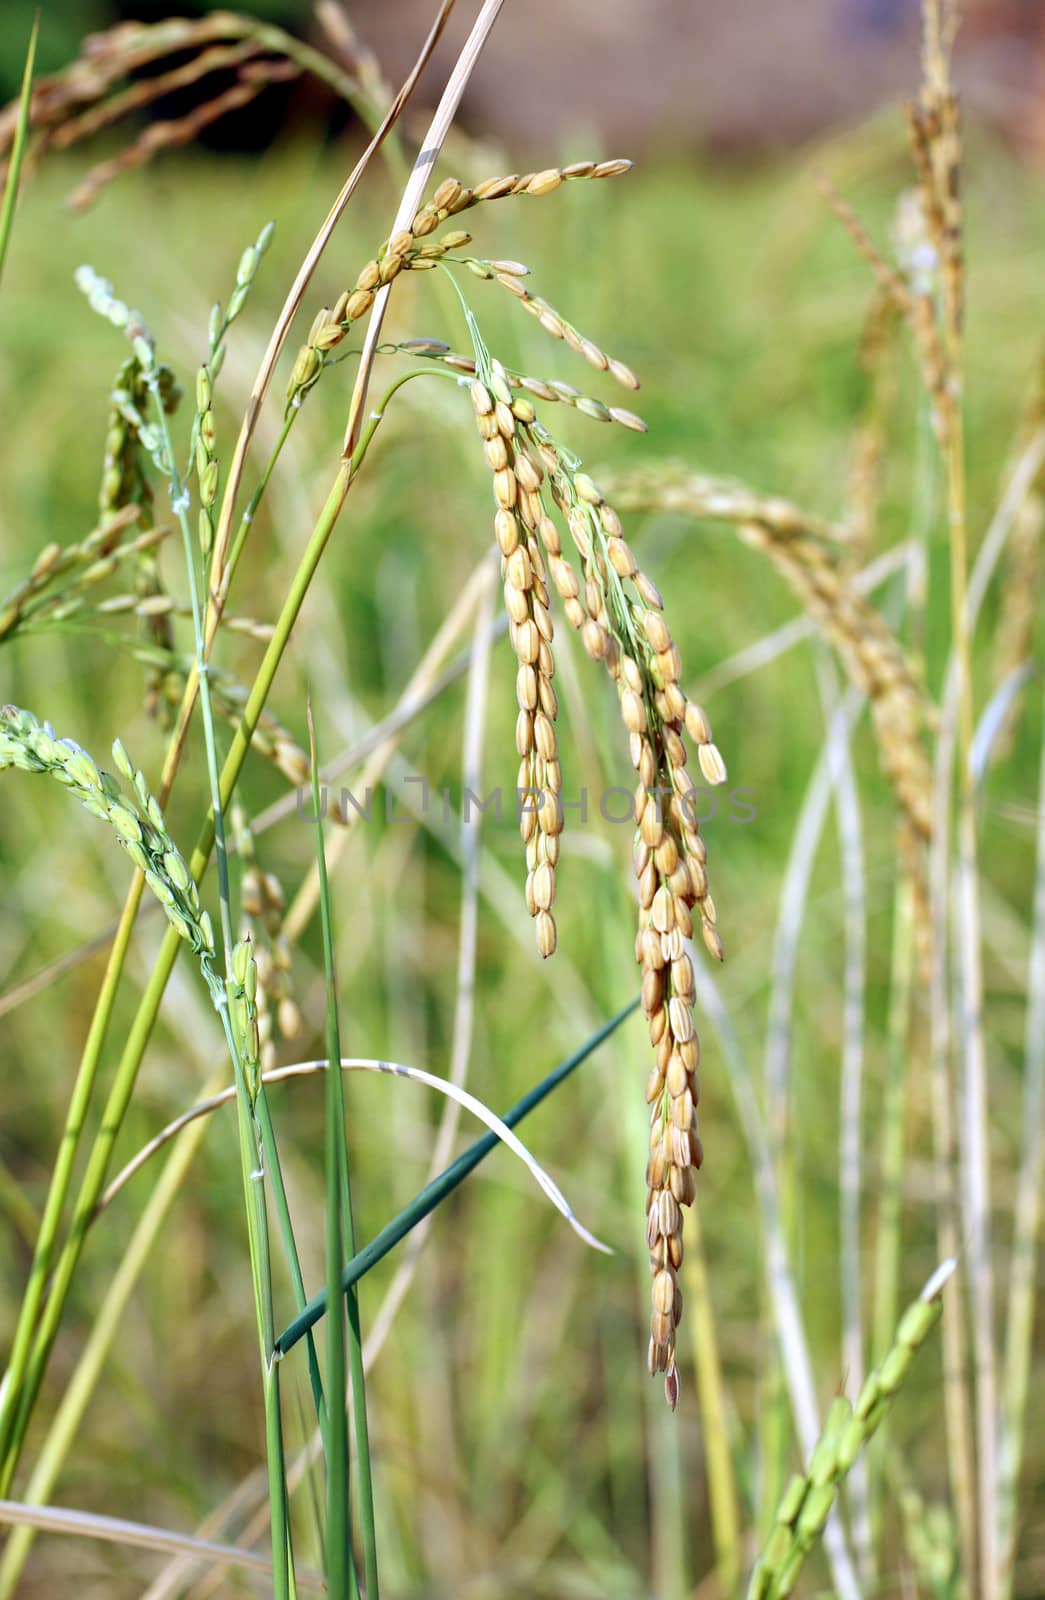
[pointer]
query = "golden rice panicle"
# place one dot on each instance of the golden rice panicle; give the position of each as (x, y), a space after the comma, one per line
(453, 197)
(866, 466)
(935, 138)
(557, 326)
(619, 613)
(552, 390)
(412, 249)
(403, 252)
(517, 479)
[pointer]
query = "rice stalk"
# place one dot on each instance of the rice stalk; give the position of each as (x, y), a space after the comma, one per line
(958, 1421)
(44, 1332)
(235, 1004)
(1019, 1327)
(931, 301)
(711, 1394)
(935, 142)
(1017, 611)
(340, 1232)
(851, 1179)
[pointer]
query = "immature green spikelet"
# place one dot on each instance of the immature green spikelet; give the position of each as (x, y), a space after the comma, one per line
(809, 1497)
(131, 437)
(126, 483)
(206, 461)
(204, 428)
(135, 818)
(242, 991)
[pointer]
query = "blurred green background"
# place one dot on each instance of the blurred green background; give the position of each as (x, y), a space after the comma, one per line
(521, 1449)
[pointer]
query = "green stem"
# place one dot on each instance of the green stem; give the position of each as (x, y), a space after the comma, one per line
(338, 1547)
(286, 1228)
(890, 1203)
(67, 1419)
(252, 1167)
(722, 1487)
(61, 1178)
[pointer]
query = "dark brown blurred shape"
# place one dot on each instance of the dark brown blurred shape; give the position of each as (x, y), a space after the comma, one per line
(726, 75)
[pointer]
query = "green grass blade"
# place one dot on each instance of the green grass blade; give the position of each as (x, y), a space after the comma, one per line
(335, 1439)
(14, 167)
(64, 1426)
(434, 1193)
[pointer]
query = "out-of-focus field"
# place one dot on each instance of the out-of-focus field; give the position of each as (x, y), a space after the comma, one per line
(520, 1448)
